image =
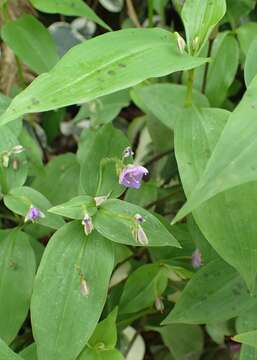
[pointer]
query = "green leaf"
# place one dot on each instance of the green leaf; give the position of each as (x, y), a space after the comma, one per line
(183, 341)
(76, 207)
(215, 286)
(244, 323)
(17, 268)
(60, 181)
(225, 59)
(19, 200)
(233, 161)
(199, 18)
(105, 332)
(30, 352)
(98, 177)
(248, 338)
(238, 9)
(63, 316)
(69, 8)
(250, 69)
(91, 354)
(227, 215)
(143, 287)
(246, 33)
(115, 218)
(100, 66)
(165, 99)
(6, 353)
(31, 42)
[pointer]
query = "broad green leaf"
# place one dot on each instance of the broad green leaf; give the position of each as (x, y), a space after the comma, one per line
(215, 293)
(63, 316)
(29, 353)
(17, 268)
(250, 69)
(224, 219)
(244, 323)
(199, 18)
(76, 207)
(238, 9)
(69, 8)
(183, 341)
(247, 338)
(91, 354)
(60, 181)
(222, 69)
(98, 175)
(31, 42)
(105, 333)
(233, 161)
(246, 33)
(166, 101)
(115, 219)
(100, 66)
(6, 353)
(19, 200)
(143, 287)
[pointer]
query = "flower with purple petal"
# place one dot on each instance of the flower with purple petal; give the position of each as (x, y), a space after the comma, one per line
(33, 214)
(131, 176)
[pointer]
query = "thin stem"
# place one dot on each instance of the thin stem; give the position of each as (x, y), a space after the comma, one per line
(20, 73)
(3, 181)
(150, 13)
(158, 157)
(132, 13)
(190, 82)
(207, 67)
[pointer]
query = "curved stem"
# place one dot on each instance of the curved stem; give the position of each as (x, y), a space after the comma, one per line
(190, 82)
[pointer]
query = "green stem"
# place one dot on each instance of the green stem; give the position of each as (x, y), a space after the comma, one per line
(190, 82)
(150, 13)
(3, 181)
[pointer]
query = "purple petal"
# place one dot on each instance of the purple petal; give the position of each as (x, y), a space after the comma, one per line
(132, 175)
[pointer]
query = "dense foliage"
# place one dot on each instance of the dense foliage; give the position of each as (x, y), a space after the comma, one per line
(128, 180)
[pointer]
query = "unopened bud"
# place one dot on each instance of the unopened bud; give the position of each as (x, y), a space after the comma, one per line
(5, 159)
(140, 236)
(195, 43)
(100, 199)
(88, 225)
(84, 289)
(128, 152)
(196, 259)
(17, 149)
(159, 305)
(180, 42)
(15, 164)
(139, 219)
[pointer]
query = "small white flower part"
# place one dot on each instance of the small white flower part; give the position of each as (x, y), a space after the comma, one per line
(139, 219)
(100, 199)
(180, 42)
(128, 152)
(5, 159)
(139, 235)
(88, 225)
(84, 289)
(159, 305)
(18, 149)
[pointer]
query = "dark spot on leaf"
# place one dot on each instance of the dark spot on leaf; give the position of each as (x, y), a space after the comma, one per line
(236, 292)
(122, 65)
(34, 101)
(111, 72)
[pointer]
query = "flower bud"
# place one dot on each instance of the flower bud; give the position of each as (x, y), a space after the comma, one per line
(181, 43)
(17, 149)
(88, 225)
(100, 199)
(5, 159)
(84, 289)
(195, 43)
(159, 304)
(139, 235)
(15, 164)
(196, 259)
(128, 152)
(139, 219)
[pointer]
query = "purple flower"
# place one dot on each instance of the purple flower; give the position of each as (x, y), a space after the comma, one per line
(196, 259)
(131, 176)
(33, 214)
